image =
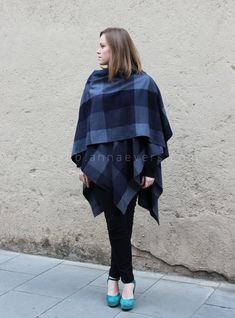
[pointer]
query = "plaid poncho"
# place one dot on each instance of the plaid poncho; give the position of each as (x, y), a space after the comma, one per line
(121, 125)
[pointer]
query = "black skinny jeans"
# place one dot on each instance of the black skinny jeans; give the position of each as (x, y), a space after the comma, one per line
(120, 230)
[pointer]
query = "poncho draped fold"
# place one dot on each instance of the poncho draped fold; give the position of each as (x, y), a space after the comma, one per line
(121, 125)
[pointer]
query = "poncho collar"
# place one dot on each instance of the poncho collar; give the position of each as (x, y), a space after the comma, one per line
(120, 110)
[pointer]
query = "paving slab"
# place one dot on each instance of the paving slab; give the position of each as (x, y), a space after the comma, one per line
(11, 253)
(30, 264)
(171, 299)
(24, 305)
(89, 302)
(208, 311)
(191, 280)
(6, 257)
(10, 280)
(223, 296)
(35, 286)
(60, 281)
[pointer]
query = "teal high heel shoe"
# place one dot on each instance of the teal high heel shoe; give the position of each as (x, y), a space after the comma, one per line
(111, 300)
(127, 304)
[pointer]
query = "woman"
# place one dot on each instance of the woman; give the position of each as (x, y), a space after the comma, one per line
(120, 140)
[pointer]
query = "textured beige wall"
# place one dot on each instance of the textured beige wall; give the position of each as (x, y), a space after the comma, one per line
(48, 48)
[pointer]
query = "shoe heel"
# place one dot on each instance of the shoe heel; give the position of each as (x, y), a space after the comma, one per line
(128, 304)
(113, 301)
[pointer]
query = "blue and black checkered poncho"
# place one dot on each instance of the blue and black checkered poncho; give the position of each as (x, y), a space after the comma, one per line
(121, 125)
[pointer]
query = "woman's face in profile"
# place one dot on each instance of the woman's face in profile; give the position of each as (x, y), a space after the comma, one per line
(104, 51)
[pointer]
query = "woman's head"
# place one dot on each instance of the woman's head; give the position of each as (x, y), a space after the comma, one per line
(118, 52)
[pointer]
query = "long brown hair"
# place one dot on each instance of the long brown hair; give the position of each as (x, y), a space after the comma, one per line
(124, 58)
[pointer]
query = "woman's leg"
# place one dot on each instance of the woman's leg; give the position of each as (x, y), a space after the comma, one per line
(119, 229)
(114, 272)
(104, 198)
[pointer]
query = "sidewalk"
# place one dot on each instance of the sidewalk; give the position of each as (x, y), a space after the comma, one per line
(34, 286)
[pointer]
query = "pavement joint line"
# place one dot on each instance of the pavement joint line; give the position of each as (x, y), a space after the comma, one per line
(196, 310)
(8, 260)
(141, 294)
(9, 270)
(61, 300)
(193, 283)
(137, 314)
(3, 252)
(214, 305)
(57, 303)
(216, 287)
(13, 289)
(28, 280)
(33, 293)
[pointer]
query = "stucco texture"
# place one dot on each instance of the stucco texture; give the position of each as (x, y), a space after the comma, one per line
(48, 49)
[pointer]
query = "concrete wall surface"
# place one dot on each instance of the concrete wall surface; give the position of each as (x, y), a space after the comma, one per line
(48, 49)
